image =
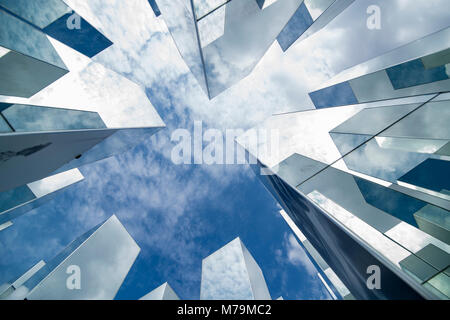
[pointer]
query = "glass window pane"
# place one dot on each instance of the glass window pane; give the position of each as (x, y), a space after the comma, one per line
(26, 118)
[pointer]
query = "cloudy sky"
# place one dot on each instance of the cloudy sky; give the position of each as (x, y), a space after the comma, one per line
(179, 214)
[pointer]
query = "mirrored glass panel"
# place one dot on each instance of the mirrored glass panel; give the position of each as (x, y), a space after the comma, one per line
(27, 118)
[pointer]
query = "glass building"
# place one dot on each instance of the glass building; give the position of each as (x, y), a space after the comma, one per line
(57, 113)
(420, 67)
(222, 41)
(163, 292)
(231, 273)
(92, 267)
(364, 176)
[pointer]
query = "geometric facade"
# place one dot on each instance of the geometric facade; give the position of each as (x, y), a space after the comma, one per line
(92, 267)
(163, 292)
(44, 131)
(231, 273)
(222, 41)
(418, 68)
(364, 176)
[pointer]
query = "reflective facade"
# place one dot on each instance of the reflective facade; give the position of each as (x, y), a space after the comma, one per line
(367, 185)
(364, 176)
(59, 110)
(163, 292)
(59, 21)
(222, 41)
(91, 267)
(420, 67)
(231, 273)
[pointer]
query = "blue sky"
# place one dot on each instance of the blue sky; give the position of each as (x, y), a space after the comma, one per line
(179, 214)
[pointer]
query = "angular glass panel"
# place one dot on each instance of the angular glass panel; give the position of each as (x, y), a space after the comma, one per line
(413, 73)
(233, 56)
(346, 142)
(119, 142)
(24, 76)
(163, 292)
(338, 95)
(395, 203)
(180, 19)
(349, 197)
(12, 198)
(27, 118)
(441, 282)
(21, 155)
(431, 174)
(21, 37)
(296, 169)
(101, 274)
(435, 256)
(440, 58)
(298, 24)
(4, 127)
(418, 268)
(205, 7)
(429, 121)
(33, 195)
(317, 7)
(84, 39)
(41, 13)
(231, 273)
(434, 221)
(413, 145)
(371, 121)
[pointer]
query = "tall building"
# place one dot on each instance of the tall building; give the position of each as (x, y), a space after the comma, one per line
(418, 68)
(92, 267)
(222, 41)
(365, 178)
(231, 273)
(59, 110)
(330, 280)
(163, 292)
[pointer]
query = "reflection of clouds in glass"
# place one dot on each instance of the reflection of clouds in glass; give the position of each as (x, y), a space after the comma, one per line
(179, 18)
(104, 260)
(203, 7)
(364, 231)
(249, 32)
(225, 275)
(23, 38)
(119, 102)
(53, 183)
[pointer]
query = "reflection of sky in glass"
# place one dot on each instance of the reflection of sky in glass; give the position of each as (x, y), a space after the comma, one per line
(103, 264)
(179, 18)
(39, 12)
(203, 7)
(249, 32)
(21, 37)
(26, 118)
(225, 275)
